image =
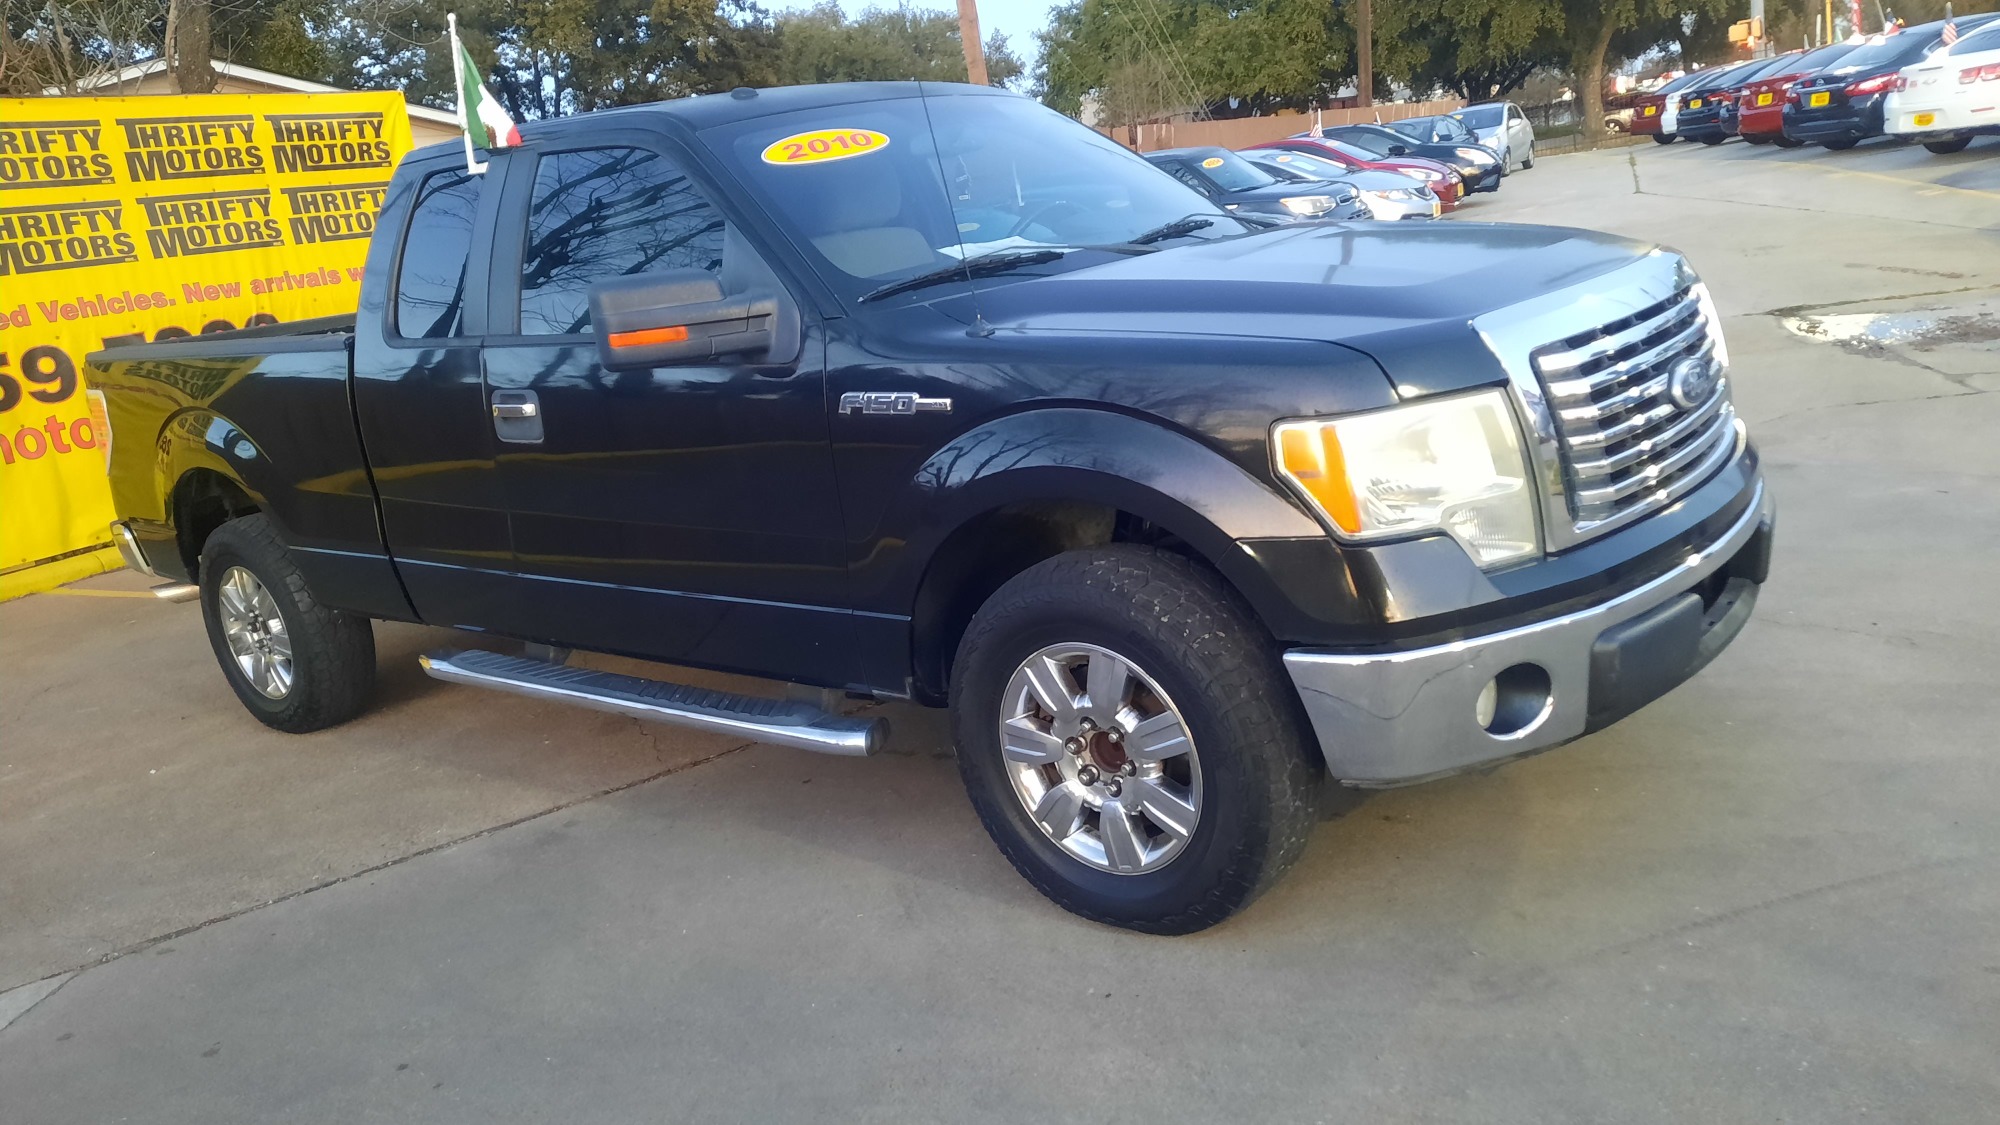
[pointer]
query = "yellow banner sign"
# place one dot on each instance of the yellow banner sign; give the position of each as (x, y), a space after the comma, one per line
(154, 218)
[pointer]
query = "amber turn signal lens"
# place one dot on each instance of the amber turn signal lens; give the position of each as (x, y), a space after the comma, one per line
(1310, 454)
(639, 338)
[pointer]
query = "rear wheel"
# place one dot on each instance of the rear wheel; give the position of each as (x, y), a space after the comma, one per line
(1946, 148)
(1663, 138)
(1127, 736)
(295, 664)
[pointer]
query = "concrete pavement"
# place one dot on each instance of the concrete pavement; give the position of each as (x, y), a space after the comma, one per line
(1770, 896)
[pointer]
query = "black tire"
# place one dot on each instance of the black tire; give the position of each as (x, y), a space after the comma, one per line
(1787, 142)
(333, 653)
(1713, 140)
(1663, 138)
(1756, 138)
(1528, 161)
(1178, 623)
(1946, 148)
(1841, 145)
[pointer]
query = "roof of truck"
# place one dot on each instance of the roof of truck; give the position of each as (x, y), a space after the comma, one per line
(743, 103)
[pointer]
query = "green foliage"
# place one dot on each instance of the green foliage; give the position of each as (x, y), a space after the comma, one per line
(1138, 59)
(821, 44)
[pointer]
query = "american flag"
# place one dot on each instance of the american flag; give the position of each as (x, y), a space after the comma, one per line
(1950, 32)
(1316, 130)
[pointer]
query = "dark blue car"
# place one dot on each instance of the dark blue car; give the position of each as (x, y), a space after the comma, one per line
(1243, 187)
(1842, 105)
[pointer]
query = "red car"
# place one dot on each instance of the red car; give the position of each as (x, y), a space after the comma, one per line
(1439, 177)
(1649, 110)
(1760, 106)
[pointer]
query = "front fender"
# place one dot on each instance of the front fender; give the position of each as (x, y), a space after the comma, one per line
(1240, 524)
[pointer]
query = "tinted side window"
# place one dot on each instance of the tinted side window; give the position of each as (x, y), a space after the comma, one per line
(1185, 175)
(430, 282)
(602, 213)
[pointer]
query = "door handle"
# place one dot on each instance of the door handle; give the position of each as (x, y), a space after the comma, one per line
(517, 417)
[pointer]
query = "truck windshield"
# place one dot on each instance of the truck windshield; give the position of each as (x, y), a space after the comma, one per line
(882, 191)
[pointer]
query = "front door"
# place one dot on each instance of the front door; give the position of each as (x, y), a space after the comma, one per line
(683, 513)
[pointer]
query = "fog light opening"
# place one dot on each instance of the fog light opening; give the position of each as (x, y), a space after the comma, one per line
(1515, 701)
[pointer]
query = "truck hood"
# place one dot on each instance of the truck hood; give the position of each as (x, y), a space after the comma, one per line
(1402, 293)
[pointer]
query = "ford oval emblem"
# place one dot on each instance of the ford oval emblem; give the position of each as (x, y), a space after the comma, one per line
(1691, 381)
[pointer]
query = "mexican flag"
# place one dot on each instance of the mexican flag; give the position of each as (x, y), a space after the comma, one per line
(480, 114)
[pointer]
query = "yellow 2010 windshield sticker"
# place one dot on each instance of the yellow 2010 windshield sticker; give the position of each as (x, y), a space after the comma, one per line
(824, 144)
(1212, 162)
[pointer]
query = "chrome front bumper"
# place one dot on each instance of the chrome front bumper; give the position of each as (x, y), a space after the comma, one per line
(128, 548)
(1385, 719)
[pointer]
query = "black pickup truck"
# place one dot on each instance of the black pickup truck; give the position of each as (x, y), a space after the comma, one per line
(926, 392)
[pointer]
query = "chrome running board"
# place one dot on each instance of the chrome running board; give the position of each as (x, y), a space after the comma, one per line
(781, 722)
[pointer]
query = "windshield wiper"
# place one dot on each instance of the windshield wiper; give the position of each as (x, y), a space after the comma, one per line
(982, 265)
(1175, 229)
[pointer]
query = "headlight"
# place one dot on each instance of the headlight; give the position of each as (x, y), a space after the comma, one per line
(1475, 157)
(1426, 175)
(1714, 319)
(1307, 204)
(1449, 464)
(1400, 194)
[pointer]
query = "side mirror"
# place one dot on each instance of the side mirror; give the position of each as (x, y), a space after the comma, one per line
(681, 316)
(1399, 150)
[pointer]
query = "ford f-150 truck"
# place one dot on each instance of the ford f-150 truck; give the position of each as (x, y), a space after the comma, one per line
(919, 391)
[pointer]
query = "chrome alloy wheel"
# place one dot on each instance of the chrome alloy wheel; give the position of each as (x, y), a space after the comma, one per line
(1101, 758)
(256, 633)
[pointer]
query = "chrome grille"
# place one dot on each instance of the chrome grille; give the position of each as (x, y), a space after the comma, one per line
(1626, 445)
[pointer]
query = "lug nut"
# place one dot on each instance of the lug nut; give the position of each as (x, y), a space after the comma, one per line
(1087, 775)
(1115, 735)
(1073, 745)
(1113, 788)
(1087, 725)
(1129, 769)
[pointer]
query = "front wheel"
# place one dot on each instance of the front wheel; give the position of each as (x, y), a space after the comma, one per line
(1528, 161)
(1756, 138)
(1786, 142)
(1663, 138)
(296, 665)
(1946, 148)
(1841, 145)
(1712, 140)
(1127, 736)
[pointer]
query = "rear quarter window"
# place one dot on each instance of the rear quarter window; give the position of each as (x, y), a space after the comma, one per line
(430, 275)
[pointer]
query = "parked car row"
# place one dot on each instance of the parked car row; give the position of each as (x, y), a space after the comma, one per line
(1922, 83)
(1417, 168)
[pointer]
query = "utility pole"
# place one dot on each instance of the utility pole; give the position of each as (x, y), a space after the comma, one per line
(1364, 40)
(968, 35)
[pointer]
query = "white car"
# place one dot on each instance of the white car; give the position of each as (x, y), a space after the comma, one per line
(1387, 195)
(1502, 127)
(1951, 96)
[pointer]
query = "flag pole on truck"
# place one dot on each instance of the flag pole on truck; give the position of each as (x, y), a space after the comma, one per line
(477, 105)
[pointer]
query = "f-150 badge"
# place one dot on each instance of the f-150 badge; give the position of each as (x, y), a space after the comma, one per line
(892, 402)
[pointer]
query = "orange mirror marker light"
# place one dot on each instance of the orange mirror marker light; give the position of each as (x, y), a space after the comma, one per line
(640, 337)
(1309, 453)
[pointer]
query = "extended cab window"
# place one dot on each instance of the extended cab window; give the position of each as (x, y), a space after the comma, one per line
(602, 213)
(430, 282)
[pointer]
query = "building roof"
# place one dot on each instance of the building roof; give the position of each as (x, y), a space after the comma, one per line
(242, 73)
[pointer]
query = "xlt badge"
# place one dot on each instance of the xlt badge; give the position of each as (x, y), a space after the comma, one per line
(892, 402)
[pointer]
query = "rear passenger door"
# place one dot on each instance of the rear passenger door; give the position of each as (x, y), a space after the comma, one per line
(685, 512)
(418, 399)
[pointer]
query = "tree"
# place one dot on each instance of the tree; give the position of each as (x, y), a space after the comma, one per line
(1474, 48)
(1142, 59)
(822, 45)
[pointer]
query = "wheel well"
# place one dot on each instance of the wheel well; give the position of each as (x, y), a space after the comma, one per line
(982, 554)
(204, 500)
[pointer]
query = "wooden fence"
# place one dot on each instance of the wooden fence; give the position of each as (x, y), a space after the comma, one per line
(1242, 132)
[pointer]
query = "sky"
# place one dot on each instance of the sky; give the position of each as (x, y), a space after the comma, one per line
(1020, 19)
